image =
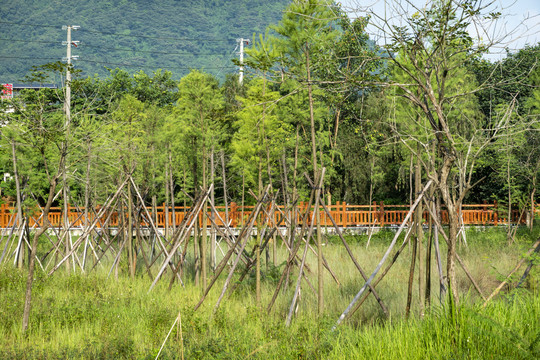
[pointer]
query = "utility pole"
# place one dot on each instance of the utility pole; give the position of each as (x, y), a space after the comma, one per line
(68, 58)
(241, 52)
(67, 122)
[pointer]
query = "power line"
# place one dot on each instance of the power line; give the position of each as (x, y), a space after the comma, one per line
(30, 41)
(27, 24)
(83, 44)
(111, 63)
(157, 37)
(28, 58)
(152, 67)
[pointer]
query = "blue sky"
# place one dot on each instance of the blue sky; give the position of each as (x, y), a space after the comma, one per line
(519, 25)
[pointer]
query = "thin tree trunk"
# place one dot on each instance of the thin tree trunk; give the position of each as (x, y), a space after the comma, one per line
(87, 195)
(451, 254)
(171, 192)
(509, 184)
(411, 277)
(259, 220)
(129, 233)
(66, 224)
(533, 206)
(452, 207)
(419, 230)
(225, 200)
(320, 269)
(258, 272)
(166, 204)
(212, 215)
(196, 248)
(285, 191)
(427, 293)
(31, 265)
(19, 203)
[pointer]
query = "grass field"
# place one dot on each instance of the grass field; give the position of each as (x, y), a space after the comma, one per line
(93, 316)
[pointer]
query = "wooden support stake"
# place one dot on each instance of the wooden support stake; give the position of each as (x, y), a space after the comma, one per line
(469, 275)
(243, 234)
(516, 268)
(178, 242)
(349, 251)
(385, 256)
(253, 215)
(87, 231)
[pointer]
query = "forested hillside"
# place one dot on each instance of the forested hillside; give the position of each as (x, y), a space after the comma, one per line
(175, 35)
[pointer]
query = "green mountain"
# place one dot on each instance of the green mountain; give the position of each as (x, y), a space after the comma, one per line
(174, 35)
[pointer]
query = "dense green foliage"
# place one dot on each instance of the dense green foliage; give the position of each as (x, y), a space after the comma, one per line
(148, 35)
(269, 128)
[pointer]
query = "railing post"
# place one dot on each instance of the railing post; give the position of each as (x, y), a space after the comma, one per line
(495, 213)
(2, 216)
(484, 213)
(381, 214)
(70, 217)
(373, 213)
(344, 214)
(233, 215)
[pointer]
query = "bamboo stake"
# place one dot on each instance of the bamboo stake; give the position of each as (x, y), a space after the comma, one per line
(87, 232)
(411, 275)
(243, 234)
(228, 236)
(349, 308)
(314, 217)
(117, 258)
(10, 236)
(178, 319)
(299, 280)
(109, 246)
(19, 247)
(292, 255)
(469, 275)
(177, 243)
(183, 234)
(384, 273)
(516, 268)
(264, 245)
(433, 216)
(178, 233)
(526, 273)
(254, 215)
(349, 251)
(147, 265)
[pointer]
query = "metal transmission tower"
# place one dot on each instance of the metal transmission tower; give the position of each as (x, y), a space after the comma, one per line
(241, 52)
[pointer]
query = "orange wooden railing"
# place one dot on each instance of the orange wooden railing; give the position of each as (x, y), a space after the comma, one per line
(343, 214)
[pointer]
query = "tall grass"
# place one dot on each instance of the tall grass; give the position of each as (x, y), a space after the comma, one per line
(96, 317)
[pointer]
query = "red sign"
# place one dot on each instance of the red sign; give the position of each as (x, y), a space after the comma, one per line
(7, 91)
